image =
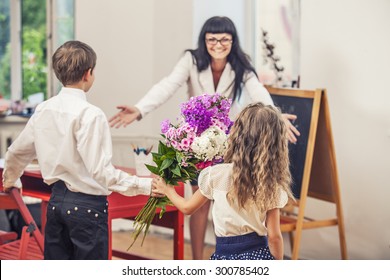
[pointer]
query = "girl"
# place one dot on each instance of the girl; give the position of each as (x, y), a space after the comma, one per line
(248, 189)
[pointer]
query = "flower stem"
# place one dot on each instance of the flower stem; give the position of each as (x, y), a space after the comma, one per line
(144, 219)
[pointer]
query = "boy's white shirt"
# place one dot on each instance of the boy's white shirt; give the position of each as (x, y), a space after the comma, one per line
(71, 140)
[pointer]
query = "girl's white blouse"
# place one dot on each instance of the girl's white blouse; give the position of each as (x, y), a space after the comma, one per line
(214, 183)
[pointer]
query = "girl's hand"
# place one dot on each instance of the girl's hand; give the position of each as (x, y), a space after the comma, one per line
(159, 187)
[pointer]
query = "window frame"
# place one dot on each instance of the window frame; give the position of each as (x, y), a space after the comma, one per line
(16, 46)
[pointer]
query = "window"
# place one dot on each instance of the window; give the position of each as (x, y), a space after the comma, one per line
(25, 59)
(62, 18)
(34, 47)
(5, 57)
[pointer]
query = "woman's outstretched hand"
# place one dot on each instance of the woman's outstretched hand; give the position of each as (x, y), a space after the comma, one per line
(125, 116)
(292, 131)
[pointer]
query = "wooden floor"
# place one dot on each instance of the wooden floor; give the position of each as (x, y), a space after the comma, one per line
(156, 246)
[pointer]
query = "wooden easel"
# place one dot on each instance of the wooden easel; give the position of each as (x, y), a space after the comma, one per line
(314, 164)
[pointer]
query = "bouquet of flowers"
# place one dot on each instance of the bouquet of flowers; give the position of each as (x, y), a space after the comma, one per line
(197, 141)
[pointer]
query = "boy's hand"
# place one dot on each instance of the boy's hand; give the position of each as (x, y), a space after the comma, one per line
(7, 186)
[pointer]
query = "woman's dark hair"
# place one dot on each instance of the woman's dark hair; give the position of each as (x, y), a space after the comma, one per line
(239, 60)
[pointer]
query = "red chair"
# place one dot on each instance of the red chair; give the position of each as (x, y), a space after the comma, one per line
(30, 244)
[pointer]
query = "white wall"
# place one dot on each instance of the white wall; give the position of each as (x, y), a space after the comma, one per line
(281, 19)
(137, 43)
(345, 49)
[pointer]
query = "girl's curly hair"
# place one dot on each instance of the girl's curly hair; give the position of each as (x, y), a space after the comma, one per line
(258, 149)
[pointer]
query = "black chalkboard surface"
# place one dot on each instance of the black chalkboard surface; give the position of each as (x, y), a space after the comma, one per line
(301, 107)
(305, 104)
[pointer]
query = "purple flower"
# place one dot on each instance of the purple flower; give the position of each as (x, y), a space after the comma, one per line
(201, 111)
(165, 126)
(197, 115)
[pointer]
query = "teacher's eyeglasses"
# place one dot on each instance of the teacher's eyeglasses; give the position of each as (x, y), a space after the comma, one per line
(224, 41)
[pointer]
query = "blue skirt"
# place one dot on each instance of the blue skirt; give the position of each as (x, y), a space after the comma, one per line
(249, 246)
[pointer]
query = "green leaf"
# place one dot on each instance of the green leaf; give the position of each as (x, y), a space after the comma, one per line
(156, 156)
(153, 169)
(166, 163)
(186, 172)
(162, 211)
(179, 157)
(176, 171)
(191, 164)
(162, 148)
(170, 153)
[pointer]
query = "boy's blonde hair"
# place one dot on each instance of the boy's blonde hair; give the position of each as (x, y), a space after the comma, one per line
(258, 149)
(72, 60)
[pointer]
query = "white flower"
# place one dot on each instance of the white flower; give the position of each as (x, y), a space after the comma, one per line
(210, 145)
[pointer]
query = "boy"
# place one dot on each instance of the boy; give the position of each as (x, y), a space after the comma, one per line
(72, 142)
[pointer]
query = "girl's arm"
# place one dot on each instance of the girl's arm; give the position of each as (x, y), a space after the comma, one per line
(188, 206)
(275, 238)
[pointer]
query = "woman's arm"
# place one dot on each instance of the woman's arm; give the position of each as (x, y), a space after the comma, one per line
(258, 93)
(275, 238)
(256, 90)
(125, 116)
(291, 129)
(156, 96)
(187, 207)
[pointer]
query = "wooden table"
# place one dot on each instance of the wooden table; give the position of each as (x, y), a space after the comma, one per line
(119, 206)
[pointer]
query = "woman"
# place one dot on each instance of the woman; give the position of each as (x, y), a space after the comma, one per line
(218, 65)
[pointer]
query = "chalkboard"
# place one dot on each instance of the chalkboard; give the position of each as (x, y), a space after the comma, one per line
(305, 105)
(301, 107)
(312, 163)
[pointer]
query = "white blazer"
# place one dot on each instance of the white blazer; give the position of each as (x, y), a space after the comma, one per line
(199, 83)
